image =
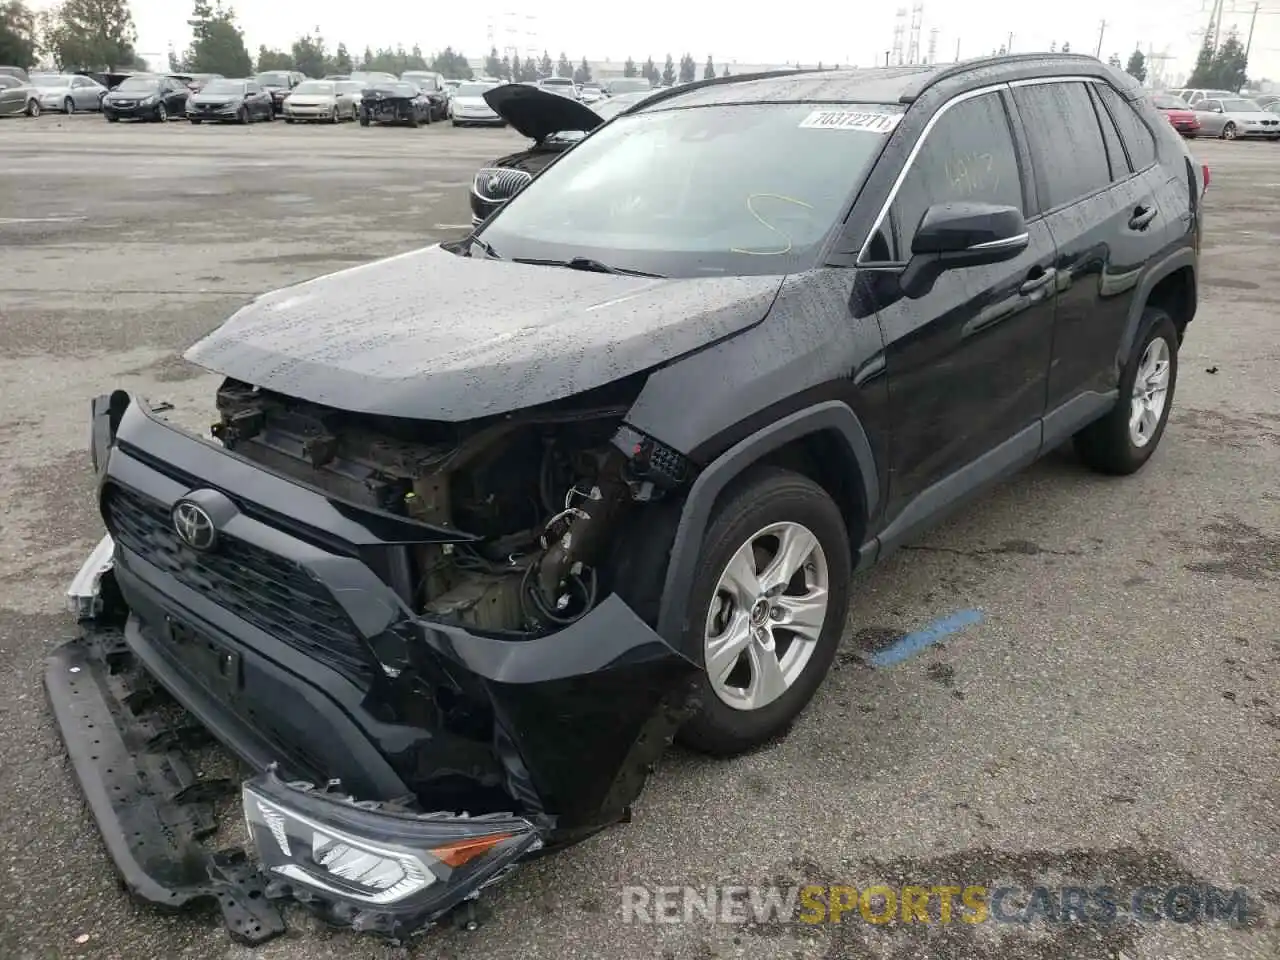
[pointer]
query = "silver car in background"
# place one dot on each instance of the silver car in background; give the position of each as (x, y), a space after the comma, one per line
(327, 100)
(68, 92)
(467, 106)
(17, 97)
(1235, 117)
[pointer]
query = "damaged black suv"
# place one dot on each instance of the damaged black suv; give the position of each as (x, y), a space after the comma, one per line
(483, 526)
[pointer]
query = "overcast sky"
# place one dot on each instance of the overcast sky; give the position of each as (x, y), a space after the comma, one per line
(809, 31)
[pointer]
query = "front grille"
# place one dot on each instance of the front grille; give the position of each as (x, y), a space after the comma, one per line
(269, 591)
(497, 184)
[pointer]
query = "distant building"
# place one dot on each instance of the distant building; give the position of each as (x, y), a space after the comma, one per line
(606, 69)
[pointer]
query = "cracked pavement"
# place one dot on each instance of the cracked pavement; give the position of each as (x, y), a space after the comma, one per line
(1115, 717)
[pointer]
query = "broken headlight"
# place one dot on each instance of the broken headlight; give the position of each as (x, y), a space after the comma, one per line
(382, 868)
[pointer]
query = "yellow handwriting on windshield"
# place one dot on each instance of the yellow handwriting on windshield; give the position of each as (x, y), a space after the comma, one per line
(970, 173)
(751, 208)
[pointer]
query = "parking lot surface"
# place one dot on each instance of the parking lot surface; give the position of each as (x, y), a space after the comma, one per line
(1113, 717)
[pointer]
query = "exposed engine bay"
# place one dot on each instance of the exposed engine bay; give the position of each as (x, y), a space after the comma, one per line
(527, 503)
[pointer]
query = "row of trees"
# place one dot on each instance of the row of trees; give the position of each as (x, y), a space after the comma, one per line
(76, 34)
(1225, 67)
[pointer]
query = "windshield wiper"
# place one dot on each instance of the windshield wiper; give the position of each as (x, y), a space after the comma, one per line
(586, 263)
(483, 245)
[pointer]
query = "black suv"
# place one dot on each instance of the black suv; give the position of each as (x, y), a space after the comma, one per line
(484, 525)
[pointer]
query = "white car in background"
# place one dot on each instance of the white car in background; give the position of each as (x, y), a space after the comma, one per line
(564, 86)
(68, 92)
(467, 106)
(325, 100)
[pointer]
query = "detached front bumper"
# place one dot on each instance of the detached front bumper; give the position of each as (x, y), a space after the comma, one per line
(454, 757)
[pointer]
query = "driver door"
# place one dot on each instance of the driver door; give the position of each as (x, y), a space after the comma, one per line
(1211, 117)
(968, 362)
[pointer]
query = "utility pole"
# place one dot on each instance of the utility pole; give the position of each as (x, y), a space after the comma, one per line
(957, 49)
(1101, 31)
(1252, 20)
(1008, 47)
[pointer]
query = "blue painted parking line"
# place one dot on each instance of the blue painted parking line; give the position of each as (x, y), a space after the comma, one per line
(913, 643)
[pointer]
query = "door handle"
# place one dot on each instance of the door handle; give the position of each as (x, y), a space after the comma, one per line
(1141, 217)
(1038, 282)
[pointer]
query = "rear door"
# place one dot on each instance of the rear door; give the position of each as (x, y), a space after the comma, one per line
(12, 96)
(967, 361)
(1106, 223)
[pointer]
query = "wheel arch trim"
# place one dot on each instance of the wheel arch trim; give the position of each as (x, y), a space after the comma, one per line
(1177, 260)
(831, 415)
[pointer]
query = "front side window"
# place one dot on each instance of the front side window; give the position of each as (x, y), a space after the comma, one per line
(1066, 141)
(968, 156)
(729, 189)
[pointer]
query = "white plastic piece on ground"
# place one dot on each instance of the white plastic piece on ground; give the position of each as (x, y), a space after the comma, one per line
(83, 599)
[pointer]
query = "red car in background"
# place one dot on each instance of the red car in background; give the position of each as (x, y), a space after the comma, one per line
(1179, 113)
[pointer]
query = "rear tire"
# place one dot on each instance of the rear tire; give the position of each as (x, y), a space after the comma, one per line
(68, 106)
(1122, 441)
(799, 512)
(33, 108)
(112, 118)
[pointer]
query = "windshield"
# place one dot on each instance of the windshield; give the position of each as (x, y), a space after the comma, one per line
(1240, 106)
(729, 189)
(275, 78)
(1166, 102)
(314, 87)
(350, 86)
(51, 81)
(472, 89)
(138, 85)
(557, 82)
(223, 86)
(629, 84)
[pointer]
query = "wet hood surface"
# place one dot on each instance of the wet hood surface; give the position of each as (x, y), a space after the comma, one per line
(537, 113)
(430, 335)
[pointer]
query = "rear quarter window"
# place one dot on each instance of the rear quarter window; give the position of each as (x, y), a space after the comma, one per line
(1133, 129)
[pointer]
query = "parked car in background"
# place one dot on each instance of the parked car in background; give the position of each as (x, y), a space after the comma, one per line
(1195, 95)
(153, 98)
(563, 86)
(554, 124)
(197, 81)
(432, 85)
(231, 101)
(467, 106)
(68, 92)
(618, 85)
(325, 100)
(1178, 112)
(1264, 100)
(1234, 117)
(366, 77)
(18, 97)
(279, 83)
(591, 92)
(395, 102)
(16, 72)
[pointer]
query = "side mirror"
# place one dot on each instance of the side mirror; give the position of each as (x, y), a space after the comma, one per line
(952, 235)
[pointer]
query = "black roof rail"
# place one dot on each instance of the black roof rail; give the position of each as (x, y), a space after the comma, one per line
(667, 93)
(977, 63)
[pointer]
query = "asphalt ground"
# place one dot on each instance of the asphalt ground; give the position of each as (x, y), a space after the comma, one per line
(1114, 717)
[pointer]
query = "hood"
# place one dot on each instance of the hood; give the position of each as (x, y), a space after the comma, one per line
(312, 99)
(1250, 115)
(431, 335)
(214, 97)
(115, 95)
(473, 103)
(537, 113)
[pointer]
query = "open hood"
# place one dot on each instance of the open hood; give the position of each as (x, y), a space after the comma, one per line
(429, 334)
(538, 114)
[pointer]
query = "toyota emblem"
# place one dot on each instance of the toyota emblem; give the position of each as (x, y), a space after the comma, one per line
(194, 526)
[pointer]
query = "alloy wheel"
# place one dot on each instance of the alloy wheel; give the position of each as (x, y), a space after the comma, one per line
(766, 616)
(69, 106)
(1150, 392)
(1229, 131)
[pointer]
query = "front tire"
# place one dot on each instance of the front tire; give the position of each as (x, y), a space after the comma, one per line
(68, 106)
(243, 117)
(162, 114)
(33, 108)
(768, 606)
(1229, 132)
(1122, 441)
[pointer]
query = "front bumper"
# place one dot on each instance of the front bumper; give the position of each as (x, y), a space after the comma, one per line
(200, 112)
(550, 738)
(320, 111)
(133, 111)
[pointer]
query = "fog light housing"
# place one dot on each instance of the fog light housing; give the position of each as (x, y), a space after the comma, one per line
(387, 870)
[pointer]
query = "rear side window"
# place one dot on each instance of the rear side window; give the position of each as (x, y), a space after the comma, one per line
(1111, 137)
(968, 156)
(1066, 141)
(1137, 135)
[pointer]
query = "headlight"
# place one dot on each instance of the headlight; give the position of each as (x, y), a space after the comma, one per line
(387, 869)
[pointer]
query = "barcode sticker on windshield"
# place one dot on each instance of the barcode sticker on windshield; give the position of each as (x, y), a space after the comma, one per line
(852, 120)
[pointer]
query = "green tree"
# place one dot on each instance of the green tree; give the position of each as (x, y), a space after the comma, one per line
(1137, 66)
(650, 71)
(273, 60)
(342, 60)
(709, 71)
(217, 45)
(669, 71)
(688, 69)
(563, 68)
(17, 35)
(583, 73)
(493, 64)
(309, 56)
(629, 68)
(367, 58)
(517, 69)
(544, 68)
(1066, 47)
(725, 72)
(506, 68)
(91, 35)
(1230, 65)
(451, 64)
(528, 70)
(176, 63)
